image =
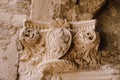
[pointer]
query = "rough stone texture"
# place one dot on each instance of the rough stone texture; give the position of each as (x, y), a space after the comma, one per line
(74, 10)
(42, 10)
(71, 10)
(109, 27)
(12, 14)
(44, 55)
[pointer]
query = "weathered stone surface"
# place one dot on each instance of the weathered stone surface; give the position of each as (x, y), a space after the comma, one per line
(71, 10)
(109, 27)
(42, 10)
(83, 52)
(11, 19)
(73, 47)
(13, 13)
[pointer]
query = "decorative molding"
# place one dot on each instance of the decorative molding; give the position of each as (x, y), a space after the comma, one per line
(53, 50)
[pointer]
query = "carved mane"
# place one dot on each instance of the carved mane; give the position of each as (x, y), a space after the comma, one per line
(33, 43)
(87, 51)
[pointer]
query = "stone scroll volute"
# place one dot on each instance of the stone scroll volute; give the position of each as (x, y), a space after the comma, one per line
(45, 49)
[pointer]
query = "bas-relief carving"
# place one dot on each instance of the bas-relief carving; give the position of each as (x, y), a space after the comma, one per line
(85, 48)
(60, 46)
(48, 51)
(44, 54)
(58, 42)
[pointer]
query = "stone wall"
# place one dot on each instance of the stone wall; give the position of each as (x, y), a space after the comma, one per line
(13, 13)
(109, 27)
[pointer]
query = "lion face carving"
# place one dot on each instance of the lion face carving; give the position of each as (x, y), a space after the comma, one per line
(29, 35)
(86, 44)
(32, 43)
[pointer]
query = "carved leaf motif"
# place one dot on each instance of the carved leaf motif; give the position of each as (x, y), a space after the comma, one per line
(59, 41)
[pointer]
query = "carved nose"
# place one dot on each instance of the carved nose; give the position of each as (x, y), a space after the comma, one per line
(27, 35)
(27, 32)
(90, 38)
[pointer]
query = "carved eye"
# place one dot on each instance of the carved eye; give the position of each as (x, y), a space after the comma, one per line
(89, 36)
(88, 33)
(29, 30)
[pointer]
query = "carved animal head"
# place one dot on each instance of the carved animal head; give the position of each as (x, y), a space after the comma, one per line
(86, 44)
(29, 35)
(86, 38)
(31, 42)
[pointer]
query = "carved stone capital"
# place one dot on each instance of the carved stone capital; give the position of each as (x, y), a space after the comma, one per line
(48, 48)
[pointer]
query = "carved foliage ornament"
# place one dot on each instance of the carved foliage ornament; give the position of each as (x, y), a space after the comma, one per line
(52, 49)
(59, 41)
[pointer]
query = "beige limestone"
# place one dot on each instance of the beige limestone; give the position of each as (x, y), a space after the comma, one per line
(42, 10)
(43, 55)
(51, 56)
(11, 19)
(8, 49)
(13, 13)
(71, 10)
